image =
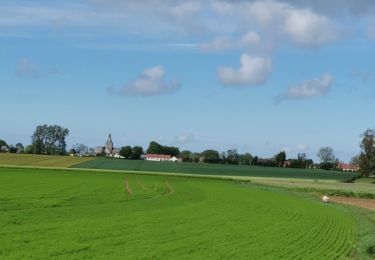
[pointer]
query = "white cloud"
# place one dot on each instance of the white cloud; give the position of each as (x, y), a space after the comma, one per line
(250, 38)
(150, 83)
(303, 27)
(307, 29)
(184, 138)
(27, 69)
(252, 71)
(309, 88)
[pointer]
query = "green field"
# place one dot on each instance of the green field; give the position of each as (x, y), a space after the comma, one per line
(213, 169)
(41, 160)
(77, 214)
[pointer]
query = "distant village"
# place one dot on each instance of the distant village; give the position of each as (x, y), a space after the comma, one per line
(109, 150)
(50, 140)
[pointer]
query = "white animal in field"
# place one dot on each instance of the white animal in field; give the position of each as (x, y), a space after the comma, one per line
(325, 199)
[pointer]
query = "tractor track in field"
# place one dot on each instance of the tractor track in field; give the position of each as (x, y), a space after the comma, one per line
(358, 202)
(170, 188)
(140, 183)
(127, 187)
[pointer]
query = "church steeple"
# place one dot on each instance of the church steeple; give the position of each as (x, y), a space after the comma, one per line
(109, 146)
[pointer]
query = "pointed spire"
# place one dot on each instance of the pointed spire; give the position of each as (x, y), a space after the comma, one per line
(109, 145)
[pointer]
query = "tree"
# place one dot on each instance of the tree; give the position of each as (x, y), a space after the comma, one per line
(12, 149)
(232, 156)
(327, 158)
(29, 149)
(3, 145)
(19, 148)
(300, 162)
(156, 148)
(186, 156)
(126, 151)
(367, 155)
(280, 158)
(211, 156)
(246, 158)
(137, 152)
(49, 139)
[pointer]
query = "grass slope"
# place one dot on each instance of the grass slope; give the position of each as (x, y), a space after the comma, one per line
(77, 214)
(213, 169)
(41, 160)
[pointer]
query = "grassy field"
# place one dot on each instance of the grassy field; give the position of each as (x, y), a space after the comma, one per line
(213, 169)
(359, 188)
(77, 214)
(41, 160)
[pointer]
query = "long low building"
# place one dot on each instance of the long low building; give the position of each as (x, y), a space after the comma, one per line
(347, 167)
(160, 157)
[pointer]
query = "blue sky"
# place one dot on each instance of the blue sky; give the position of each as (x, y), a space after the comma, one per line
(257, 76)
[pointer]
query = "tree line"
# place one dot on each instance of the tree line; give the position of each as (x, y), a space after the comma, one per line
(50, 140)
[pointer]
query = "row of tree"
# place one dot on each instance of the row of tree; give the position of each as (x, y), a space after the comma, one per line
(50, 139)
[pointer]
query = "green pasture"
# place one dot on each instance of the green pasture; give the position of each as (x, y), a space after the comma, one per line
(72, 214)
(363, 187)
(214, 169)
(41, 160)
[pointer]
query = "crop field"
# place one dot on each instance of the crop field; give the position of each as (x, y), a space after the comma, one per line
(213, 169)
(41, 160)
(68, 214)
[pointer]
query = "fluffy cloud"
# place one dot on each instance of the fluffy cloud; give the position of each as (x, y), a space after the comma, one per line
(307, 29)
(303, 27)
(27, 69)
(309, 88)
(150, 83)
(252, 71)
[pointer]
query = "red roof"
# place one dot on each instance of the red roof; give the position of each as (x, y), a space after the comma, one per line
(158, 156)
(347, 166)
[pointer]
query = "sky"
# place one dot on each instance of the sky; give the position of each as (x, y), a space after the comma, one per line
(257, 76)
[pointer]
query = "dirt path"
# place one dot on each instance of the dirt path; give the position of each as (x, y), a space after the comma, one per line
(358, 202)
(127, 187)
(170, 188)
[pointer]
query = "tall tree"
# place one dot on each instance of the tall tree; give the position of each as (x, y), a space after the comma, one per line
(232, 156)
(3, 145)
(137, 152)
(19, 147)
(49, 139)
(246, 159)
(367, 156)
(186, 156)
(211, 156)
(280, 158)
(127, 152)
(155, 148)
(327, 158)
